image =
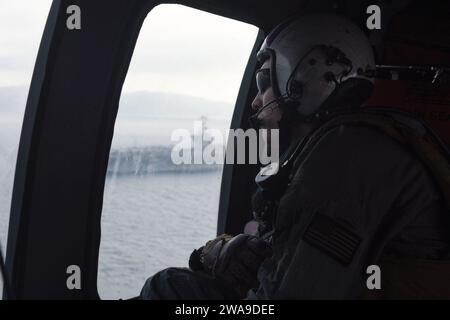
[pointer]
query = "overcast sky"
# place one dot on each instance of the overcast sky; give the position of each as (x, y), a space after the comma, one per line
(179, 50)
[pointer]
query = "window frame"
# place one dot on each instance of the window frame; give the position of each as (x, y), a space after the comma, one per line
(40, 247)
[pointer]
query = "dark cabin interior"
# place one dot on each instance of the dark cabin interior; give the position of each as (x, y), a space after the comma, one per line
(42, 240)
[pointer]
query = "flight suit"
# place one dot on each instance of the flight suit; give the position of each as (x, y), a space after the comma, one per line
(357, 198)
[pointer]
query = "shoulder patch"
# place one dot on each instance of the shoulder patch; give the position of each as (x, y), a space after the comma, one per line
(332, 238)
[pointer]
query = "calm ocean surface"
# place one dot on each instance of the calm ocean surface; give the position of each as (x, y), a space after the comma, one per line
(152, 222)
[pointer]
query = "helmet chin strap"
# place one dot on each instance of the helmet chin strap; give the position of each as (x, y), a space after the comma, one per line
(289, 116)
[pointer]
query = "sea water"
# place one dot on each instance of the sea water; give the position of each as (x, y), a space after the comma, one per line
(152, 222)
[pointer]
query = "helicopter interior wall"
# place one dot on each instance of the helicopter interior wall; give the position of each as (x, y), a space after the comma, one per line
(237, 181)
(68, 129)
(266, 14)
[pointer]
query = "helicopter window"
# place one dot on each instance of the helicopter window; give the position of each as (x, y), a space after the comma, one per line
(21, 27)
(185, 74)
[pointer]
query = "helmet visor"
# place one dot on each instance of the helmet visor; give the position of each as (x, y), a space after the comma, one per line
(263, 81)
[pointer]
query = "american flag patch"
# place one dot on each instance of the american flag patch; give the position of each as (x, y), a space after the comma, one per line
(332, 238)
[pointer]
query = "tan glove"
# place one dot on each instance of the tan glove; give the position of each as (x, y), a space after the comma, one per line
(232, 260)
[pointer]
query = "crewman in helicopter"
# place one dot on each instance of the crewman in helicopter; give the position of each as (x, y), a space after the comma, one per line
(356, 187)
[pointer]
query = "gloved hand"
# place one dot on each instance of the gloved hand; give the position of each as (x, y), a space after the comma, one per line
(232, 260)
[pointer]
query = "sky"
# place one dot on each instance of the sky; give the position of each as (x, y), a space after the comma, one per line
(21, 27)
(179, 50)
